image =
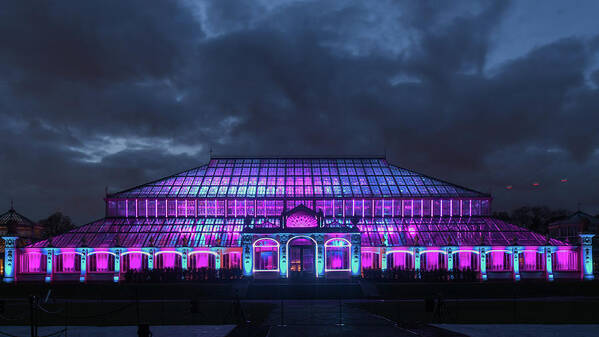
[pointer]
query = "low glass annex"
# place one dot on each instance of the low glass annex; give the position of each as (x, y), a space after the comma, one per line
(284, 217)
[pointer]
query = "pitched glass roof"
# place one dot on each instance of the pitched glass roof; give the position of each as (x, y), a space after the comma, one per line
(226, 232)
(297, 178)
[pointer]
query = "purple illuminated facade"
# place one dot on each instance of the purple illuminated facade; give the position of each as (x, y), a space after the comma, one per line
(322, 218)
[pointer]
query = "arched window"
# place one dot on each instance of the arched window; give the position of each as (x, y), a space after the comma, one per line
(198, 260)
(266, 255)
(101, 262)
(431, 260)
(400, 260)
(337, 253)
(168, 260)
(231, 260)
(32, 262)
(466, 260)
(565, 260)
(531, 260)
(134, 261)
(68, 262)
(370, 260)
(499, 260)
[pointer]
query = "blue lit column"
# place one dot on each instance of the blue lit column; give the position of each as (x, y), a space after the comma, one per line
(320, 258)
(586, 256)
(483, 262)
(548, 263)
(218, 258)
(84, 254)
(246, 254)
(356, 252)
(449, 254)
(184, 257)
(150, 252)
(10, 257)
(417, 261)
(49, 258)
(516, 262)
(117, 262)
(283, 255)
(383, 255)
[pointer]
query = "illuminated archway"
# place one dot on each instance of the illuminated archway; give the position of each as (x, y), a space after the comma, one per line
(293, 262)
(266, 255)
(337, 253)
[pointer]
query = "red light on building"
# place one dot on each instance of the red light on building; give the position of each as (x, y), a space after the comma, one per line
(508, 187)
(564, 180)
(535, 184)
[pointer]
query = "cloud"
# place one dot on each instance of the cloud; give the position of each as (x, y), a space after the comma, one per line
(97, 94)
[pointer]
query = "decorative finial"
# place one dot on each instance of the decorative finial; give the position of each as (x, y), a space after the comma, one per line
(210, 152)
(12, 208)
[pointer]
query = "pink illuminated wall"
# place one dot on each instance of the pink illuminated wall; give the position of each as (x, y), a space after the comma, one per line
(232, 260)
(202, 260)
(466, 260)
(135, 261)
(101, 262)
(499, 261)
(432, 261)
(370, 260)
(400, 260)
(531, 260)
(32, 262)
(68, 262)
(168, 260)
(565, 260)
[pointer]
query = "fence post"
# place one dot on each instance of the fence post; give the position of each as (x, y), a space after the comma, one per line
(32, 315)
(282, 323)
(340, 323)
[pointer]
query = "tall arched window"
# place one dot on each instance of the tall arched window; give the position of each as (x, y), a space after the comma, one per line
(32, 262)
(199, 260)
(231, 260)
(531, 260)
(499, 260)
(370, 260)
(400, 260)
(565, 260)
(101, 262)
(266, 255)
(337, 251)
(433, 260)
(68, 262)
(466, 260)
(134, 261)
(168, 260)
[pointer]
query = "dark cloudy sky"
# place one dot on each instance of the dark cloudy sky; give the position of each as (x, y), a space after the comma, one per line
(116, 93)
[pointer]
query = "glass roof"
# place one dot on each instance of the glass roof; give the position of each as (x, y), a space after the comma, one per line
(297, 178)
(226, 232)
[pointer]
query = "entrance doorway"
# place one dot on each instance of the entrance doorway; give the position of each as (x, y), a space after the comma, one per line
(302, 258)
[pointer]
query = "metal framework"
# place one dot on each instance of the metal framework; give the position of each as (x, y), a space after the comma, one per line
(364, 213)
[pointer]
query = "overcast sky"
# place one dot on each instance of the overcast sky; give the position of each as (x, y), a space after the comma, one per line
(97, 94)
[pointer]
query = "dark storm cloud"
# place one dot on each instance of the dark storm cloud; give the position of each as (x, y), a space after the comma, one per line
(98, 93)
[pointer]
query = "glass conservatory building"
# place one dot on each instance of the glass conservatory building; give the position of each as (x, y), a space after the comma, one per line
(282, 217)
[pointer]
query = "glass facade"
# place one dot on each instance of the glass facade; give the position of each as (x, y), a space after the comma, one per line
(276, 217)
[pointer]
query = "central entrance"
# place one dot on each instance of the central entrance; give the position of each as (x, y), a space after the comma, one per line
(302, 258)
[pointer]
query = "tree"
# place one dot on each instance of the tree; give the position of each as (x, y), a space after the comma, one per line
(56, 224)
(535, 218)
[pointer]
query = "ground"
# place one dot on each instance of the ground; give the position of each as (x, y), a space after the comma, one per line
(319, 308)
